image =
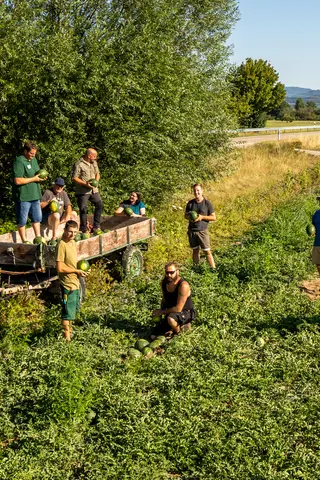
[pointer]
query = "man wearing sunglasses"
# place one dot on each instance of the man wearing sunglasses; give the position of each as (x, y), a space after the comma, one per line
(177, 310)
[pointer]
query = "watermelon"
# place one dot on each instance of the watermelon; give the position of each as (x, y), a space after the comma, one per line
(310, 229)
(106, 231)
(78, 237)
(53, 243)
(260, 342)
(155, 344)
(43, 173)
(39, 240)
(134, 353)
(54, 206)
(147, 352)
(83, 265)
(98, 232)
(161, 339)
(141, 343)
(193, 215)
(94, 182)
(156, 318)
(27, 242)
(128, 211)
(85, 235)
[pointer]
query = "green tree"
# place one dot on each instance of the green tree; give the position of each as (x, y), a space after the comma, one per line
(284, 112)
(256, 91)
(143, 82)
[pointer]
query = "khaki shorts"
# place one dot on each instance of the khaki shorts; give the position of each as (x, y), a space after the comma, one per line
(199, 239)
(316, 255)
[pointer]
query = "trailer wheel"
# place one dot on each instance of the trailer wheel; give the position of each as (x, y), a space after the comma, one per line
(132, 262)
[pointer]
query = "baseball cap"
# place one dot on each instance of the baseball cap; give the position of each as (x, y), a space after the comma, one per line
(59, 181)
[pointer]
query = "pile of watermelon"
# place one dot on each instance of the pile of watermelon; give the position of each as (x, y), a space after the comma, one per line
(142, 348)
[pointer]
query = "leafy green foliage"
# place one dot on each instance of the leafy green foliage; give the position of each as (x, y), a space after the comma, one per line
(256, 92)
(143, 82)
(234, 398)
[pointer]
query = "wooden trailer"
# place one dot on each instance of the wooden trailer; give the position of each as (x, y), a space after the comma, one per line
(32, 267)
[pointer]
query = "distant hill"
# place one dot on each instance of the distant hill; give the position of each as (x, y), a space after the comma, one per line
(307, 94)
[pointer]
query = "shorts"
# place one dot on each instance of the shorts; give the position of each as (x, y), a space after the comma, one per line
(45, 217)
(199, 239)
(70, 303)
(23, 209)
(186, 316)
(316, 255)
(183, 317)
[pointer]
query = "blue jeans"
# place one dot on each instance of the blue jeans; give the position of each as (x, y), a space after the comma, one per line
(23, 209)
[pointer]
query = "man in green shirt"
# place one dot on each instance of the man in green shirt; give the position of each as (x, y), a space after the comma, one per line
(66, 265)
(26, 190)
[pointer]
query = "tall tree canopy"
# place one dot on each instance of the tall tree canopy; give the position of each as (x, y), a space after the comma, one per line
(256, 91)
(143, 82)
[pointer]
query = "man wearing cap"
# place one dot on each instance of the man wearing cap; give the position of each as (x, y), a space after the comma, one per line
(84, 170)
(64, 213)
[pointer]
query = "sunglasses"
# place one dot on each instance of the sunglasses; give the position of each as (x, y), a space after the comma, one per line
(171, 273)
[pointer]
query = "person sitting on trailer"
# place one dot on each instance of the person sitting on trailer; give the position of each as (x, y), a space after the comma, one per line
(65, 212)
(135, 203)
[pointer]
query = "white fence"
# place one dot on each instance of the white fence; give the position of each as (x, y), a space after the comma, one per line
(277, 130)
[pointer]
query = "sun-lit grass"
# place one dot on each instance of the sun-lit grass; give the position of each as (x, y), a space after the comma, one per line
(241, 200)
(295, 123)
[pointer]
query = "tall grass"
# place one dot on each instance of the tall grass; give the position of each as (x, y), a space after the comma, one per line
(263, 176)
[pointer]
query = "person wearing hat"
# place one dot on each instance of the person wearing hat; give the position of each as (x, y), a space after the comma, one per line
(65, 212)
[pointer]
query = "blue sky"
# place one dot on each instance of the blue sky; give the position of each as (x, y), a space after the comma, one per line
(286, 33)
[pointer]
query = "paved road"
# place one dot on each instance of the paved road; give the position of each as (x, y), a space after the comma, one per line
(246, 141)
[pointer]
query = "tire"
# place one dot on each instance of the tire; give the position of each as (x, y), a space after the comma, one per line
(83, 289)
(132, 262)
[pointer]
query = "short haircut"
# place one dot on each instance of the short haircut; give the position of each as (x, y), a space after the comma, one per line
(196, 185)
(168, 264)
(71, 223)
(91, 150)
(28, 146)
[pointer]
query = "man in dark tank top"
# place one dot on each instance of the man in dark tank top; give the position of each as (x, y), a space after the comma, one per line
(177, 309)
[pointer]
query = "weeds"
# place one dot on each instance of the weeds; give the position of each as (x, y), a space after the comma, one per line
(236, 397)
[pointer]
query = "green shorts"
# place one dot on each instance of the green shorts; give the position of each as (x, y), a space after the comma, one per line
(70, 303)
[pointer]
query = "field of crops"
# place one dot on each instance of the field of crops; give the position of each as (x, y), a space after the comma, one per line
(237, 397)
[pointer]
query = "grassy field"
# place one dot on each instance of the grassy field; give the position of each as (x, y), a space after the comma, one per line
(237, 397)
(295, 123)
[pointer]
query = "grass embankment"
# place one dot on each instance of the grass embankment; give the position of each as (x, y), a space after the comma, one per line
(263, 177)
(217, 404)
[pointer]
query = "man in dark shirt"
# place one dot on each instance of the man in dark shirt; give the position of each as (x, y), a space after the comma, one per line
(65, 212)
(177, 307)
(316, 244)
(198, 233)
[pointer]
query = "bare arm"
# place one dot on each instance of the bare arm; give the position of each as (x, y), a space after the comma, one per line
(119, 211)
(63, 268)
(25, 181)
(80, 182)
(208, 218)
(66, 215)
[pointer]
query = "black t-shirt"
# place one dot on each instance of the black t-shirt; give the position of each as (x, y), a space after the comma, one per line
(203, 208)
